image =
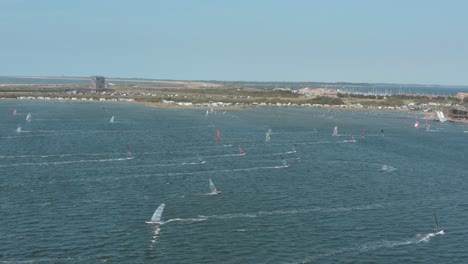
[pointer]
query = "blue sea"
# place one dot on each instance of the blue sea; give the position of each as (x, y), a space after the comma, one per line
(75, 188)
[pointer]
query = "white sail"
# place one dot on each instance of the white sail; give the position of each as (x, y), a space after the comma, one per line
(28, 117)
(440, 116)
(156, 218)
(111, 120)
(18, 130)
(335, 131)
(267, 136)
(439, 231)
(213, 189)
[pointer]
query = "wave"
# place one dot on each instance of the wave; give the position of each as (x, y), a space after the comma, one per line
(61, 162)
(277, 212)
(370, 246)
(55, 155)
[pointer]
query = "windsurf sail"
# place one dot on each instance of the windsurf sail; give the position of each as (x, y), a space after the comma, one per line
(335, 130)
(293, 148)
(129, 152)
(18, 130)
(14, 111)
(436, 221)
(241, 151)
(111, 120)
(213, 189)
(28, 117)
(285, 163)
(384, 168)
(267, 136)
(428, 126)
(218, 135)
(440, 116)
(416, 124)
(156, 218)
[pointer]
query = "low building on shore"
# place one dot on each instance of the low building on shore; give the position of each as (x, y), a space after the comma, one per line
(458, 115)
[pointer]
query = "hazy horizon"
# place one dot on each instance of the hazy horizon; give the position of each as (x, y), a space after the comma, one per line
(361, 41)
(246, 81)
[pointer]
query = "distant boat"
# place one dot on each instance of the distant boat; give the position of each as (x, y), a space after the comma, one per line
(213, 189)
(111, 120)
(293, 148)
(439, 231)
(28, 117)
(285, 163)
(352, 140)
(241, 151)
(156, 218)
(386, 168)
(200, 160)
(129, 153)
(335, 131)
(218, 135)
(267, 136)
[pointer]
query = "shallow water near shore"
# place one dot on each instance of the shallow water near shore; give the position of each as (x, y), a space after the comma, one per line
(70, 194)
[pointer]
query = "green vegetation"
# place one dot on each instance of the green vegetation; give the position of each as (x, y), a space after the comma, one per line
(226, 92)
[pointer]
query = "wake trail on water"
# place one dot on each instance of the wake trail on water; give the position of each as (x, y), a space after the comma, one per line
(371, 246)
(277, 212)
(181, 164)
(61, 162)
(55, 155)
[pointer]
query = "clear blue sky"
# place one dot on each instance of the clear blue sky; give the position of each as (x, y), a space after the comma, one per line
(396, 41)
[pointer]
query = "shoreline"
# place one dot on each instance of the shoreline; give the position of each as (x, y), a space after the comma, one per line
(427, 115)
(233, 107)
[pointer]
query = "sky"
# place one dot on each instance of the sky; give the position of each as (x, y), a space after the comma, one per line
(376, 41)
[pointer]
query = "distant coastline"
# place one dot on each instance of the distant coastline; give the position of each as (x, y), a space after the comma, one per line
(229, 95)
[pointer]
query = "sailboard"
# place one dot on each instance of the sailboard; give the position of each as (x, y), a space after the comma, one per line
(439, 231)
(293, 148)
(200, 160)
(352, 140)
(129, 153)
(213, 189)
(218, 135)
(28, 117)
(335, 131)
(386, 168)
(267, 137)
(285, 163)
(156, 218)
(241, 151)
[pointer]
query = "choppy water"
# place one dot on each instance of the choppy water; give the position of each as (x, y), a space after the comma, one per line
(68, 194)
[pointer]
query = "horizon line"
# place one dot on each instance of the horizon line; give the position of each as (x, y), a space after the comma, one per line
(213, 80)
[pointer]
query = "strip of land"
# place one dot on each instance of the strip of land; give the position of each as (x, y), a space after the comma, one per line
(232, 95)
